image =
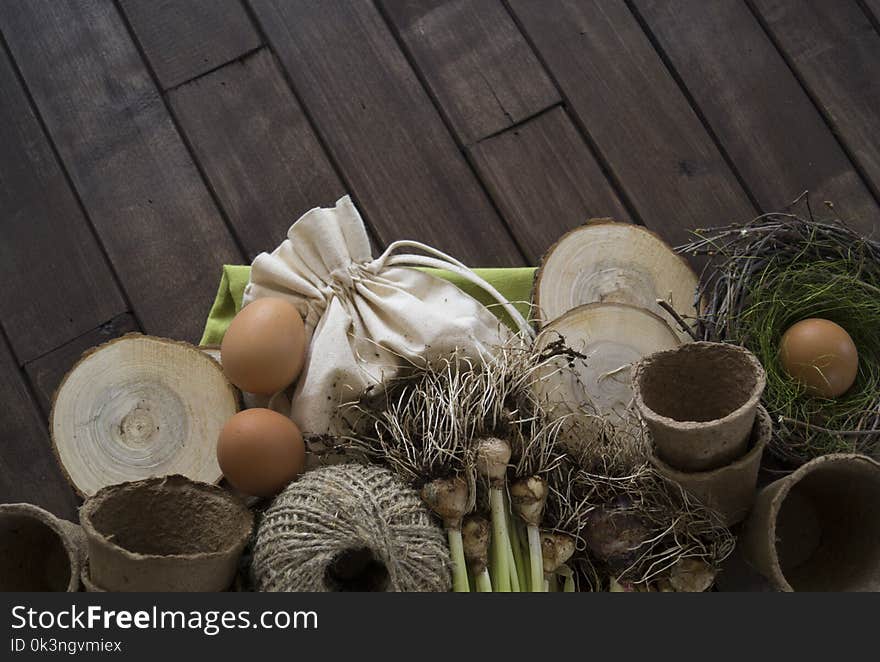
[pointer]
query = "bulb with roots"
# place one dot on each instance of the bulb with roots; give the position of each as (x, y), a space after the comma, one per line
(529, 496)
(475, 537)
(448, 498)
(557, 549)
(492, 458)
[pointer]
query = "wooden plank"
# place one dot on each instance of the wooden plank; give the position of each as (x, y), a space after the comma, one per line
(46, 372)
(475, 61)
(635, 114)
(157, 220)
(836, 53)
(388, 140)
(56, 282)
(257, 149)
(545, 180)
(872, 7)
(183, 39)
(28, 470)
(774, 135)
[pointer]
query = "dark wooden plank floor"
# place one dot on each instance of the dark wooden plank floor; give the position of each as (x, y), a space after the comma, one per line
(755, 106)
(143, 144)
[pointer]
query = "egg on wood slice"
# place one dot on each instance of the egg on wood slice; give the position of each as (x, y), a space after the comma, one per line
(821, 355)
(264, 348)
(260, 451)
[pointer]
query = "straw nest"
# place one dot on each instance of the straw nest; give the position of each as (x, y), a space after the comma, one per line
(774, 271)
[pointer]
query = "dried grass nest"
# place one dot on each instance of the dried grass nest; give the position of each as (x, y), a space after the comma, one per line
(780, 268)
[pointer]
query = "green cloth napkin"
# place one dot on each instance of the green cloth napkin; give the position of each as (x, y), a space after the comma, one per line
(514, 283)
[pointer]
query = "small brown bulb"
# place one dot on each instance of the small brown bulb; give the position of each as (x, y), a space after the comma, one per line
(821, 355)
(264, 348)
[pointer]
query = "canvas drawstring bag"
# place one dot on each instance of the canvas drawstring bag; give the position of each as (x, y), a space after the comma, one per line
(366, 319)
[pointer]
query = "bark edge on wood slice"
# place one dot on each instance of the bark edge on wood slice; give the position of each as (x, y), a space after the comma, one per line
(137, 407)
(612, 337)
(606, 261)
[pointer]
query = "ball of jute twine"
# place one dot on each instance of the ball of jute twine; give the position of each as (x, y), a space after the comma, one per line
(350, 527)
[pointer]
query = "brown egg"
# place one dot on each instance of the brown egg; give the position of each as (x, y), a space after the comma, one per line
(264, 348)
(821, 355)
(260, 451)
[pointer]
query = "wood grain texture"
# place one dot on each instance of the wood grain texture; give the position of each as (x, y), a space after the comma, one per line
(475, 61)
(257, 148)
(872, 7)
(56, 282)
(46, 372)
(185, 38)
(147, 201)
(836, 52)
(28, 471)
(774, 135)
(388, 140)
(634, 112)
(545, 180)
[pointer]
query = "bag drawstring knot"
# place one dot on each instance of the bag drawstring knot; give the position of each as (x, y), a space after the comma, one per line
(439, 260)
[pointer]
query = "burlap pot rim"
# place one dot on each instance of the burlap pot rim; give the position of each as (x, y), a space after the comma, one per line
(750, 360)
(236, 538)
(73, 544)
(788, 484)
(85, 578)
(761, 433)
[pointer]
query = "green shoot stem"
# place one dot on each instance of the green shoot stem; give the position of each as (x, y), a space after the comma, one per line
(511, 567)
(536, 556)
(483, 581)
(568, 575)
(501, 544)
(508, 547)
(518, 556)
(524, 552)
(459, 567)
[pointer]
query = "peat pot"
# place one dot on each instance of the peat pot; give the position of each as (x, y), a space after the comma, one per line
(817, 529)
(86, 579)
(38, 551)
(164, 534)
(699, 403)
(729, 490)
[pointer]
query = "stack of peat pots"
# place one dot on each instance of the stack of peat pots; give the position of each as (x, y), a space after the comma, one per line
(700, 403)
(815, 529)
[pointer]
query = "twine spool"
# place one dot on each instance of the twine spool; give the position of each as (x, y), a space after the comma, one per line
(350, 527)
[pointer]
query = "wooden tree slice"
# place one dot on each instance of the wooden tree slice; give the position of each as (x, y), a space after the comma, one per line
(610, 262)
(213, 351)
(612, 337)
(137, 407)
